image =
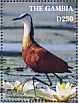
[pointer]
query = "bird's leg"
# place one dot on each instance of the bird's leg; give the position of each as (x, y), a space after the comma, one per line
(34, 86)
(49, 80)
(58, 78)
(34, 78)
(43, 81)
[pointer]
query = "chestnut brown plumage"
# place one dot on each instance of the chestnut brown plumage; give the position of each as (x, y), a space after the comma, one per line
(36, 57)
(42, 61)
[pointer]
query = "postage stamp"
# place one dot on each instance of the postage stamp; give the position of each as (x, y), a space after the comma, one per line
(38, 55)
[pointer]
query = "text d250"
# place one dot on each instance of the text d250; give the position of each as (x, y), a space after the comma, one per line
(64, 18)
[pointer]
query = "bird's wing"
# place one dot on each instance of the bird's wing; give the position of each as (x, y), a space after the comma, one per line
(41, 60)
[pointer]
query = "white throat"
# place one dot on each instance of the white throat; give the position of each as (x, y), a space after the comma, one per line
(27, 27)
(26, 37)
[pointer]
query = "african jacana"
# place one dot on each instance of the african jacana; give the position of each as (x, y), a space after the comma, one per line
(36, 57)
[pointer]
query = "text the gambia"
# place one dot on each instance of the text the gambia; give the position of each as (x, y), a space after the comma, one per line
(51, 8)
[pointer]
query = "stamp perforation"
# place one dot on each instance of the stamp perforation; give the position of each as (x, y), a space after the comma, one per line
(1, 45)
(76, 48)
(35, 100)
(2, 41)
(38, 1)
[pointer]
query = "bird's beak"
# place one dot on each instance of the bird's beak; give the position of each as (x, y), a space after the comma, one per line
(18, 18)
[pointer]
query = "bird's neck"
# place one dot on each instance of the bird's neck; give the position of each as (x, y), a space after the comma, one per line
(26, 37)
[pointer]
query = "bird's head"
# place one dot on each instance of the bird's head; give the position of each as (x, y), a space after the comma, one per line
(28, 24)
(25, 17)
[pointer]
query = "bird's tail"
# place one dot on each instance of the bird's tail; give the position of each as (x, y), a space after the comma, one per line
(70, 67)
(68, 71)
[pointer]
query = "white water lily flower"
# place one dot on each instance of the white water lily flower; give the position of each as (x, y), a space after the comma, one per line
(63, 92)
(18, 86)
(6, 85)
(9, 86)
(25, 86)
(29, 85)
